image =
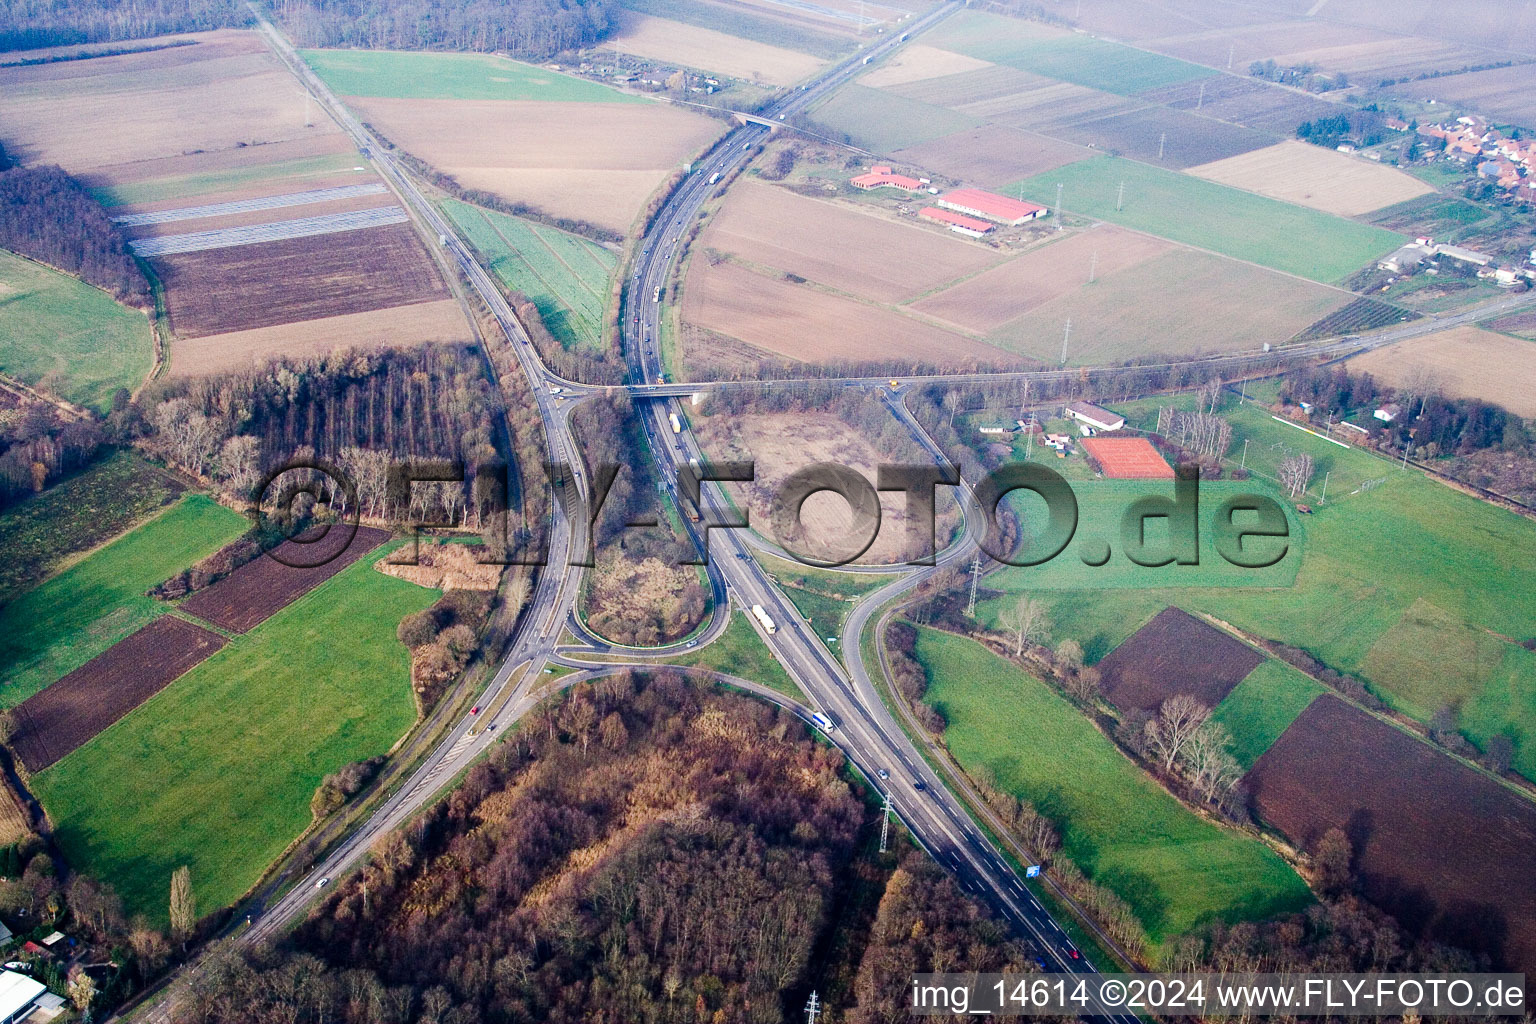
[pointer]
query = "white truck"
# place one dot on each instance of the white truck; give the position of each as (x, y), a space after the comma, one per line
(764, 618)
(823, 723)
(677, 424)
(714, 177)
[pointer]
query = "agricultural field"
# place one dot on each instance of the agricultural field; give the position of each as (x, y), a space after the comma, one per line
(1181, 302)
(1061, 54)
(1357, 316)
(574, 149)
(1504, 94)
(1298, 172)
(1385, 539)
(1239, 224)
(56, 721)
(1440, 845)
(1175, 653)
(991, 155)
(771, 28)
(1166, 137)
(1176, 870)
(44, 531)
(1261, 707)
(1252, 102)
(270, 169)
(260, 588)
(803, 323)
(70, 619)
(691, 46)
(66, 337)
(1464, 362)
(919, 62)
(222, 291)
(884, 122)
(564, 275)
(1057, 268)
(418, 324)
(839, 246)
(450, 76)
(216, 771)
(779, 444)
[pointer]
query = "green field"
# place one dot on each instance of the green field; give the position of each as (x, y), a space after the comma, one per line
(565, 276)
(67, 621)
(188, 186)
(216, 771)
(77, 514)
(1263, 706)
(1229, 221)
(1376, 566)
(823, 596)
(1079, 59)
(741, 652)
(735, 21)
(1175, 870)
(68, 337)
(451, 76)
(884, 122)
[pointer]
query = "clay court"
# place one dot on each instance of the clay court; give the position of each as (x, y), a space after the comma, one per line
(1445, 849)
(595, 162)
(801, 323)
(1175, 653)
(1323, 179)
(1464, 362)
(63, 717)
(864, 254)
(673, 42)
(260, 588)
(991, 299)
(1128, 458)
(217, 291)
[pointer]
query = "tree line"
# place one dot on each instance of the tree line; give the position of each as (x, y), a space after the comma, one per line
(529, 28)
(47, 215)
(39, 445)
(30, 24)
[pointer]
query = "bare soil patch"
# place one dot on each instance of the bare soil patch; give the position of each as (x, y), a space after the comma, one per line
(1164, 137)
(66, 715)
(235, 220)
(1464, 362)
(217, 291)
(1442, 847)
(780, 444)
(991, 299)
(252, 156)
(918, 62)
(415, 324)
(673, 42)
(861, 253)
(596, 162)
(991, 155)
(802, 323)
(1323, 179)
(1175, 653)
(258, 589)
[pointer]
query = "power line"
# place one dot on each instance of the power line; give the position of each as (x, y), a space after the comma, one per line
(970, 605)
(885, 823)
(813, 1009)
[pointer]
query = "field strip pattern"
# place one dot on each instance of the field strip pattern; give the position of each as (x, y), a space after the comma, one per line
(319, 195)
(303, 227)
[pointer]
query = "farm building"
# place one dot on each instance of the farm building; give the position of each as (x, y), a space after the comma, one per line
(991, 206)
(881, 176)
(994, 428)
(955, 221)
(1091, 415)
(1456, 252)
(1128, 458)
(1388, 412)
(18, 996)
(1405, 259)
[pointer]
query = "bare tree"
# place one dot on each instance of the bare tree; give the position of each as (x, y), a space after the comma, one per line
(183, 903)
(1208, 762)
(1179, 719)
(1025, 621)
(952, 403)
(1295, 473)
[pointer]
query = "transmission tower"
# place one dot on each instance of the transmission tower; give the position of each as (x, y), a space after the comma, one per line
(1120, 197)
(812, 1009)
(1065, 334)
(1201, 101)
(1230, 51)
(1162, 141)
(1058, 206)
(970, 606)
(885, 823)
(1093, 267)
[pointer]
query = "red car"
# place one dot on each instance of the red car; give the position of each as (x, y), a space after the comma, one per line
(475, 710)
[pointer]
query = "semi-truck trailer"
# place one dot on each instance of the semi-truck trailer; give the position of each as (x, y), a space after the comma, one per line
(677, 424)
(714, 177)
(823, 723)
(763, 617)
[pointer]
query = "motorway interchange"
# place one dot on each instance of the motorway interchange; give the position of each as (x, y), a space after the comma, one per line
(846, 694)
